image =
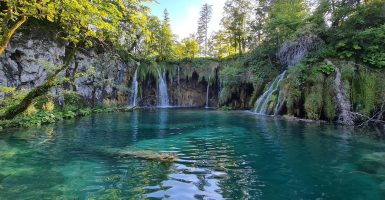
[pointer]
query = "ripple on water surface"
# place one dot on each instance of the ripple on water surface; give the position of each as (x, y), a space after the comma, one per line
(229, 155)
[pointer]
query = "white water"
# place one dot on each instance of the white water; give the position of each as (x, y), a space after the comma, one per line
(262, 102)
(207, 93)
(276, 110)
(162, 90)
(134, 90)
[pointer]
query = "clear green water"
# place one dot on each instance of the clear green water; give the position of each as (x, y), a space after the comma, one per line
(231, 155)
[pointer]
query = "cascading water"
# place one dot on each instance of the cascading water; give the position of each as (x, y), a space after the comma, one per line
(262, 102)
(162, 90)
(134, 90)
(207, 93)
(276, 111)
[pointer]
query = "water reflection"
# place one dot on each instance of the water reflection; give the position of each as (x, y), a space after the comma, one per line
(163, 120)
(135, 126)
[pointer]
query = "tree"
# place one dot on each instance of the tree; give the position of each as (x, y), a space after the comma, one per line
(188, 48)
(235, 20)
(203, 23)
(257, 24)
(153, 37)
(81, 23)
(166, 40)
(14, 13)
(219, 45)
(285, 18)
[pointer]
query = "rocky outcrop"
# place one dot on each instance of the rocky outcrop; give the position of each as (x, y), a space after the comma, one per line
(29, 57)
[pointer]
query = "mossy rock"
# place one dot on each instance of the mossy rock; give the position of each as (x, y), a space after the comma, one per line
(126, 109)
(373, 163)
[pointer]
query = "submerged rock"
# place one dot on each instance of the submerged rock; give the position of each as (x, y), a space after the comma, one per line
(2, 177)
(373, 163)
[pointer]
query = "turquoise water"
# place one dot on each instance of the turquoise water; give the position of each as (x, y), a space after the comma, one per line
(234, 155)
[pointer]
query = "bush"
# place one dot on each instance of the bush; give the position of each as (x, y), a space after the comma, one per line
(49, 106)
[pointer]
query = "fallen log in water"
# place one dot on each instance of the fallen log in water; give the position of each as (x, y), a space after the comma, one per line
(142, 154)
(150, 155)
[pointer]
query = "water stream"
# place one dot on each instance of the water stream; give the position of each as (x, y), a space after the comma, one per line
(262, 102)
(163, 100)
(134, 90)
(207, 93)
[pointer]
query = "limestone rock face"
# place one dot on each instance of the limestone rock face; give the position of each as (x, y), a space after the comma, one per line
(25, 60)
(29, 57)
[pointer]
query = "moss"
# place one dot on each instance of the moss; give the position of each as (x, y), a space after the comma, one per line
(313, 103)
(364, 90)
(329, 103)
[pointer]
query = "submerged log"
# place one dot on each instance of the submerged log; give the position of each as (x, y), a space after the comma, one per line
(150, 155)
(167, 157)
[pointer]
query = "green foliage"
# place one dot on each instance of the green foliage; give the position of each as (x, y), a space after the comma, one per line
(295, 81)
(364, 92)
(313, 103)
(225, 108)
(286, 17)
(326, 69)
(236, 16)
(166, 40)
(188, 48)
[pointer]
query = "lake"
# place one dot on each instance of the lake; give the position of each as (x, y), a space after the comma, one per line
(221, 155)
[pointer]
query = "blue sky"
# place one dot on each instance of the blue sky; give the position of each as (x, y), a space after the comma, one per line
(184, 14)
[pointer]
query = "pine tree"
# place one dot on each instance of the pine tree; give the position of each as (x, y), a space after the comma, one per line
(166, 38)
(203, 22)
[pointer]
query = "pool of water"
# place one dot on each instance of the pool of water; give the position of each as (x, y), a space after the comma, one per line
(221, 155)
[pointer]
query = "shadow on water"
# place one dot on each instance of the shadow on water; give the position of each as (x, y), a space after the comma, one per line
(221, 155)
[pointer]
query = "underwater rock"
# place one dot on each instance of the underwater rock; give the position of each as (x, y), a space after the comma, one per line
(112, 179)
(2, 177)
(373, 163)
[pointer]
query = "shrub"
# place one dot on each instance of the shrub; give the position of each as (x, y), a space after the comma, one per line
(49, 106)
(31, 110)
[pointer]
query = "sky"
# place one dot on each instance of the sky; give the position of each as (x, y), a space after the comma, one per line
(184, 14)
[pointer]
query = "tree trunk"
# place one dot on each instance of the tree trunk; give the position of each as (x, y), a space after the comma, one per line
(9, 33)
(15, 110)
(73, 77)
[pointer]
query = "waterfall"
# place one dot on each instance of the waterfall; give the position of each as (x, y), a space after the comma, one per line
(261, 105)
(207, 93)
(276, 110)
(343, 104)
(162, 90)
(134, 90)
